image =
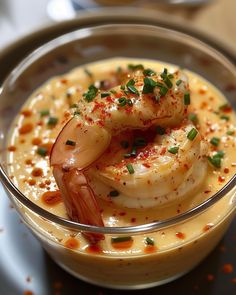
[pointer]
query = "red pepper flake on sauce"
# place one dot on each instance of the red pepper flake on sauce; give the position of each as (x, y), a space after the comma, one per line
(227, 268)
(150, 249)
(51, 198)
(122, 242)
(36, 141)
(207, 227)
(93, 249)
(11, 148)
(31, 182)
(72, 243)
(37, 172)
(226, 170)
(26, 128)
(180, 235)
(221, 178)
(26, 113)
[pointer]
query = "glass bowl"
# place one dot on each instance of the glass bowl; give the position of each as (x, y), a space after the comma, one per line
(124, 270)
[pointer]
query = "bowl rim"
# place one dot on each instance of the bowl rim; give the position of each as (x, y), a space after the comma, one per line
(66, 223)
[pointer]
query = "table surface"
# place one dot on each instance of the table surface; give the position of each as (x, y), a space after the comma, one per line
(25, 266)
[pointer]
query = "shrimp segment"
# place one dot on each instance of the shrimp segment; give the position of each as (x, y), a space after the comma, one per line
(139, 104)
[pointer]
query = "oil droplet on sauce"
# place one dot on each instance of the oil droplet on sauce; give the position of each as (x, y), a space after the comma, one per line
(11, 148)
(72, 243)
(123, 245)
(26, 113)
(37, 172)
(51, 198)
(93, 249)
(150, 249)
(207, 227)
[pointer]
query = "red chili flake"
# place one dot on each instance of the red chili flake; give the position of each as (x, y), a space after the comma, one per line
(146, 165)
(221, 178)
(40, 123)
(11, 148)
(210, 277)
(22, 140)
(203, 105)
(93, 249)
(37, 172)
(226, 170)
(42, 185)
(163, 151)
(150, 249)
(180, 235)
(31, 182)
(122, 213)
(72, 243)
(26, 113)
(227, 268)
(51, 198)
(109, 99)
(207, 227)
(36, 141)
(64, 81)
(202, 91)
(26, 128)
(133, 219)
(29, 162)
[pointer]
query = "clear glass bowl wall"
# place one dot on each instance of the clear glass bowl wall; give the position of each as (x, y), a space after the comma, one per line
(93, 44)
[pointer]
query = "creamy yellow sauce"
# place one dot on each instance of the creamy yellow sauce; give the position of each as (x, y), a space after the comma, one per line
(58, 94)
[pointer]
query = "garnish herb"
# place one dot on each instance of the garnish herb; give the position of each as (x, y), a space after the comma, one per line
(87, 72)
(192, 134)
(149, 72)
(129, 102)
(163, 91)
(42, 151)
(114, 193)
(105, 94)
(133, 67)
(160, 130)
(166, 78)
(193, 117)
(187, 98)
(224, 117)
(113, 91)
(173, 149)
(121, 239)
(44, 113)
(215, 160)
(149, 241)
(230, 132)
(215, 141)
(70, 142)
(130, 86)
(76, 113)
(179, 82)
(130, 168)
(52, 121)
(91, 93)
(122, 101)
(122, 87)
(224, 106)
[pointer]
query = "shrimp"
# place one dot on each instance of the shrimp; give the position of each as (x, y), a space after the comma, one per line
(138, 104)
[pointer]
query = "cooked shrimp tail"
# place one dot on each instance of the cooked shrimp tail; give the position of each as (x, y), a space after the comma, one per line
(79, 199)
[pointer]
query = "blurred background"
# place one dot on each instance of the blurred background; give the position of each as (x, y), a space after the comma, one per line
(213, 18)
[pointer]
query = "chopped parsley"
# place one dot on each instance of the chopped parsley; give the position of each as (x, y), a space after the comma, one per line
(193, 117)
(173, 149)
(52, 121)
(149, 241)
(149, 72)
(130, 168)
(215, 141)
(104, 94)
(215, 160)
(131, 88)
(179, 82)
(192, 134)
(44, 113)
(42, 151)
(187, 98)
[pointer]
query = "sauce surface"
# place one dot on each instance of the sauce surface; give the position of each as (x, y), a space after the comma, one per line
(48, 109)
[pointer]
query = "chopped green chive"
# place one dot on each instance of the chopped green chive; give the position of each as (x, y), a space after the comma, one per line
(179, 82)
(113, 91)
(121, 239)
(149, 85)
(52, 121)
(149, 241)
(230, 132)
(70, 142)
(173, 149)
(160, 130)
(193, 117)
(224, 107)
(149, 72)
(91, 93)
(42, 151)
(215, 160)
(114, 193)
(192, 134)
(163, 91)
(215, 141)
(87, 72)
(124, 144)
(105, 94)
(166, 79)
(133, 152)
(224, 117)
(44, 113)
(187, 98)
(130, 168)
(76, 113)
(122, 101)
(122, 87)
(135, 67)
